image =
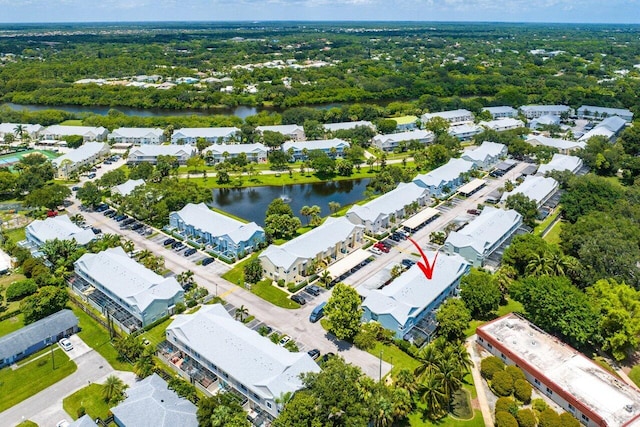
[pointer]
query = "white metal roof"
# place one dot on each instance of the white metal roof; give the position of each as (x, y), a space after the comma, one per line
(310, 244)
(615, 401)
(82, 153)
(11, 127)
(500, 110)
(472, 185)
(150, 150)
(537, 188)
(405, 136)
(125, 278)
(550, 108)
(388, 203)
(445, 173)
(263, 367)
(322, 144)
(451, 114)
(283, 129)
(614, 124)
(126, 188)
(216, 224)
(221, 132)
(236, 148)
(561, 162)
(61, 228)
(504, 122)
(74, 130)
(421, 217)
(485, 230)
(560, 144)
(609, 111)
(332, 127)
(412, 292)
(150, 403)
(136, 132)
(485, 152)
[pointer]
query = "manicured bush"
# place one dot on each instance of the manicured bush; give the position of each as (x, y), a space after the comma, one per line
(20, 289)
(505, 419)
(549, 418)
(29, 264)
(526, 418)
(502, 383)
(490, 366)
(506, 404)
(522, 390)
(568, 420)
(515, 372)
(539, 405)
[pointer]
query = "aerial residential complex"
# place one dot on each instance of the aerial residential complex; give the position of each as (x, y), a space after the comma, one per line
(561, 162)
(388, 142)
(454, 117)
(501, 112)
(59, 227)
(535, 111)
(593, 112)
(127, 187)
(608, 128)
(137, 136)
(501, 125)
(150, 153)
(217, 153)
(88, 133)
(334, 127)
(211, 135)
(411, 299)
(487, 155)
(537, 188)
(235, 357)
(300, 150)
(477, 240)
(296, 259)
(128, 292)
(32, 131)
(292, 132)
(217, 232)
(87, 154)
(445, 179)
(562, 145)
(580, 386)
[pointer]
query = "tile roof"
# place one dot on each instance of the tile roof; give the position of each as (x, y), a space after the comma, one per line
(263, 367)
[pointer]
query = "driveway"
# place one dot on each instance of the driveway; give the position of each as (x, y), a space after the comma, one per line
(45, 408)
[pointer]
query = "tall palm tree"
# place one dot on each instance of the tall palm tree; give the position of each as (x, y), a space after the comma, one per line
(462, 358)
(402, 402)
(128, 246)
(406, 381)
(429, 357)
(383, 412)
(145, 365)
(19, 131)
(451, 378)
(540, 265)
(241, 313)
(432, 395)
(504, 277)
(77, 219)
(113, 390)
(184, 278)
(325, 277)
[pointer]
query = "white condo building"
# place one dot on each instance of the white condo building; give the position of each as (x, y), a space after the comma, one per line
(87, 154)
(137, 136)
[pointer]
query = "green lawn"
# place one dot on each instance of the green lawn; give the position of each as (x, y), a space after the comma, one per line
(416, 420)
(96, 337)
(156, 334)
(5, 281)
(634, 374)
(392, 354)
(265, 290)
(71, 123)
(16, 234)
(510, 307)
(27, 423)
(553, 236)
(544, 224)
(236, 274)
(11, 325)
(91, 399)
(29, 379)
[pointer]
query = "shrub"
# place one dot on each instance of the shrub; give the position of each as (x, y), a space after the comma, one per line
(549, 418)
(522, 390)
(180, 308)
(505, 419)
(515, 372)
(568, 420)
(506, 404)
(20, 289)
(489, 366)
(191, 303)
(539, 405)
(281, 283)
(81, 412)
(29, 264)
(502, 383)
(526, 418)
(364, 340)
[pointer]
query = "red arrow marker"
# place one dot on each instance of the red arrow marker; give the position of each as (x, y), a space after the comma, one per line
(426, 268)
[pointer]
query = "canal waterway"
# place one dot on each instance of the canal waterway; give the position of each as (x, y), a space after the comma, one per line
(251, 203)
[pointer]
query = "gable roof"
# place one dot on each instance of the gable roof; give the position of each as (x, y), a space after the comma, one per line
(445, 173)
(82, 153)
(614, 123)
(486, 151)
(263, 367)
(561, 162)
(534, 187)
(610, 111)
(500, 110)
(204, 219)
(236, 148)
(310, 244)
(410, 135)
(221, 132)
(560, 144)
(283, 129)
(322, 144)
(133, 283)
(485, 230)
(412, 292)
(502, 122)
(11, 127)
(150, 403)
(447, 115)
(136, 132)
(126, 188)
(404, 194)
(59, 227)
(25, 337)
(75, 130)
(549, 108)
(162, 150)
(332, 127)
(84, 421)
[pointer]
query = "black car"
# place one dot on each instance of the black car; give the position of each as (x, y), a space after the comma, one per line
(313, 290)
(326, 356)
(207, 261)
(128, 221)
(96, 230)
(189, 252)
(178, 246)
(299, 299)
(169, 241)
(137, 226)
(111, 214)
(120, 218)
(314, 354)
(408, 262)
(101, 207)
(108, 212)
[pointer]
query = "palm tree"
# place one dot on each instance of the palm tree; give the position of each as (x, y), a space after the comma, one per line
(383, 413)
(19, 131)
(185, 278)
(540, 265)
(242, 312)
(402, 403)
(325, 277)
(407, 381)
(128, 246)
(429, 357)
(145, 365)
(334, 207)
(504, 277)
(144, 254)
(451, 377)
(305, 211)
(113, 390)
(462, 358)
(432, 395)
(77, 219)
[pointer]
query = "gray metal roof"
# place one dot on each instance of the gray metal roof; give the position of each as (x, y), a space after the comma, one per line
(84, 421)
(150, 403)
(29, 335)
(485, 230)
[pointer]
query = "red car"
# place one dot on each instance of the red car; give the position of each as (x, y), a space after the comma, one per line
(382, 247)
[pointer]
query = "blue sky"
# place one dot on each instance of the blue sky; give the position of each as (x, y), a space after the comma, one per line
(592, 11)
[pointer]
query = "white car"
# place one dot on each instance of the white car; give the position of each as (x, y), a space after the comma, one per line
(66, 344)
(284, 340)
(63, 423)
(375, 250)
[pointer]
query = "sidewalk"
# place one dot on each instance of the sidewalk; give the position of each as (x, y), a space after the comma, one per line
(487, 413)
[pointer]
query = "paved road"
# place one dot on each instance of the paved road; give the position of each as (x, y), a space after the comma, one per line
(45, 408)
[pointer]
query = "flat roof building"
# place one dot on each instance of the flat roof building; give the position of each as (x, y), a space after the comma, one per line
(220, 233)
(239, 357)
(476, 241)
(487, 155)
(580, 386)
(501, 111)
(454, 117)
(333, 240)
(150, 153)
(411, 297)
(561, 162)
(85, 155)
(137, 136)
(36, 336)
(120, 281)
(377, 215)
(151, 403)
(537, 188)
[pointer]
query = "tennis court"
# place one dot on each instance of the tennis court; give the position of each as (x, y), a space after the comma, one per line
(9, 160)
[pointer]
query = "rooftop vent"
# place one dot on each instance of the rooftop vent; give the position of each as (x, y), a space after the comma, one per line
(629, 408)
(533, 343)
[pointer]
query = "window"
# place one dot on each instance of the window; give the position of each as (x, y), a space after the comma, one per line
(480, 339)
(549, 391)
(374, 316)
(503, 356)
(269, 406)
(489, 345)
(584, 417)
(537, 381)
(571, 408)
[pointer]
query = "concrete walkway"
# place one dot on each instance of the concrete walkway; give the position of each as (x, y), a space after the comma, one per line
(487, 413)
(45, 408)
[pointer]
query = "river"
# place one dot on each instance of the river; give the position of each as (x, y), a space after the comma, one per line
(251, 203)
